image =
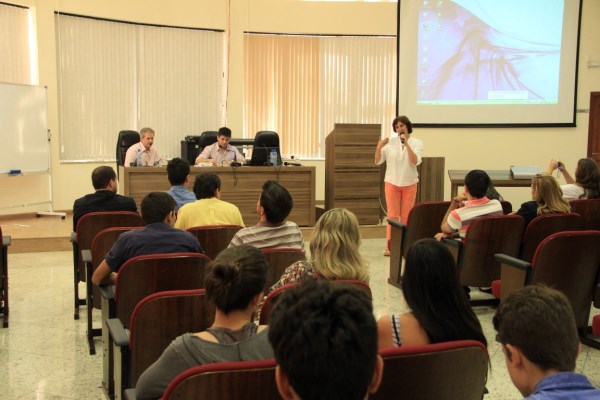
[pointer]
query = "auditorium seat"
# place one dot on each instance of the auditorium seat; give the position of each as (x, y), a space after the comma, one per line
(4, 279)
(214, 238)
(279, 260)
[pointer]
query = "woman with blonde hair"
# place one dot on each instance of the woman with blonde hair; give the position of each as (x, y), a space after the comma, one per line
(547, 198)
(334, 251)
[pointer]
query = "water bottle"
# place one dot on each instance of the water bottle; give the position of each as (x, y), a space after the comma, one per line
(273, 157)
(138, 160)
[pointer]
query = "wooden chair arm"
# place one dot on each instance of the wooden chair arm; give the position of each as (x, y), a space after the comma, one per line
(514, 273)
(6, 240)
(397, 224)
(86, 256)
(130, 394)
(107, 291)
(117, 332)
(73, 238)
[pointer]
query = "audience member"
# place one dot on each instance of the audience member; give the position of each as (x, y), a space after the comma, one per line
(546, 199)
(325, 341)
(469, 206)
(537, 331)
(158, 236)
(105, 198)
(272, 231)
(221, 152)
(178, 172)
(149, 155)
(440, 310)
(586, 184)
(334, 251)
(234, 284)
(209, 209)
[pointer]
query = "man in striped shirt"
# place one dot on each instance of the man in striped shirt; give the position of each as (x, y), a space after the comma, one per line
(469, 206)
(272, 231)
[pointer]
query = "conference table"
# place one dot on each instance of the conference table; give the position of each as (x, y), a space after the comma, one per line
(239, 185)
(500, 178)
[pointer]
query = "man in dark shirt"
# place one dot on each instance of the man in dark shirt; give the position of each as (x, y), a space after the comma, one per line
(158, 236)
(105, 198)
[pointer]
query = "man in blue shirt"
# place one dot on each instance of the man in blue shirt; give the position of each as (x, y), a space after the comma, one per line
(178, 172)
(158, 236)
(537, 330)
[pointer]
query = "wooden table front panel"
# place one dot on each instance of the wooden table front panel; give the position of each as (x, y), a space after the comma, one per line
(240, 186)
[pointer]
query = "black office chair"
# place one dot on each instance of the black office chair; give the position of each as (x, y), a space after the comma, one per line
(264, 141)
(207, 138)
(125, 141)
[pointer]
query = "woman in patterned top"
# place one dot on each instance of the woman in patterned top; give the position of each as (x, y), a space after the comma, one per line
(439, 309)
(333, 251)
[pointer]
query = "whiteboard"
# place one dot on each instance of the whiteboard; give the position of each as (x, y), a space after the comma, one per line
(24, 128)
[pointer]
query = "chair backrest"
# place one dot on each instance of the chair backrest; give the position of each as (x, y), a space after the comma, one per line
(207, 138)
(238, 380)
(484, 238)
(264, 141)
(90, 224)
(125, 140)
(543, 226)
(506, 207)
(441, 371)
(102, 243)
(589, 209)
(214, 238)
(424, 221)
(569, 261)
(144, 275)
(158, 319)
(279, 260)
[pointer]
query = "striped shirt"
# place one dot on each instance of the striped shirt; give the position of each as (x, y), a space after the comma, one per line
(460, 218)
(274, 236)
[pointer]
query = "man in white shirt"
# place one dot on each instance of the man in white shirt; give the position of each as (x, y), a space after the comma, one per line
(221, 153)
(149, 155)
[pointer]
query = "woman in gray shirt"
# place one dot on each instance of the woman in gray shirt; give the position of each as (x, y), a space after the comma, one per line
(234, 284)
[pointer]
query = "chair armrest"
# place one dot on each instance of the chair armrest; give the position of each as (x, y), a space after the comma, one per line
(453, 242)
(107, 291)
(397, 224)
(73, 238)
(86, 256)
(6, 240)
(117, 332)
(514, 273)
(130, 394)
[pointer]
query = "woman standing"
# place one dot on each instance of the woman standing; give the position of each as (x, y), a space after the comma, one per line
(403, 154)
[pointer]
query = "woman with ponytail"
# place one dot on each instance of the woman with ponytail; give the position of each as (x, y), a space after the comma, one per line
(234, 285)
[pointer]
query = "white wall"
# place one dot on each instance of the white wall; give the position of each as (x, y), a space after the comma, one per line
(463, 148)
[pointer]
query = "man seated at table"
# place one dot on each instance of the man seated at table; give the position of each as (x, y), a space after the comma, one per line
(324, 337)
(469, 206)
(272, 231)
(105, 198)
(158, 236)
(209, 209)
(148, 154)
(221, 153)
(536, 328)
(178, 172)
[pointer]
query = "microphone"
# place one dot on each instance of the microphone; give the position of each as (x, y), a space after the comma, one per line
(294, 164)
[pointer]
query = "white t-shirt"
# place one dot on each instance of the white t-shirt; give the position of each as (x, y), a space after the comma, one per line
(400, 171)
(572, 191)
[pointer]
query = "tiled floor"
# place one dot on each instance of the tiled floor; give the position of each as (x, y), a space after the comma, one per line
(44, 355)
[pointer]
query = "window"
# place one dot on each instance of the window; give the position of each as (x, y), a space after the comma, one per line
(170, 79)
(300, 86)
(18, 63)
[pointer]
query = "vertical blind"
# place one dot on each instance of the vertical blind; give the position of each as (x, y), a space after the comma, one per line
(117, 76)
(300, 86)
(15, 61)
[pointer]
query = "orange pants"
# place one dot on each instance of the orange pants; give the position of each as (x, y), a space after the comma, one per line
(400, 200)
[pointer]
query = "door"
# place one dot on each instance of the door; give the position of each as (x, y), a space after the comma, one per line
(594, 128)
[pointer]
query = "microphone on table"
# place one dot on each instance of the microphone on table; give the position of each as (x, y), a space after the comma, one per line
(294, 164)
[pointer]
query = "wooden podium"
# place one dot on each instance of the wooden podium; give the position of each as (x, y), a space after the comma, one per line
(351, 176)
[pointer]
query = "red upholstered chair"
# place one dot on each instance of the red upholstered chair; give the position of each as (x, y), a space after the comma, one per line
(424, 221)
(140, 277)
(239, 380)
(214, 238)
(441, 371)
(279, 260)
(92, 258)
(567, 261)
(155, 322)
(4, 279)
(87, 228)
(474, 255)
(589, 209)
